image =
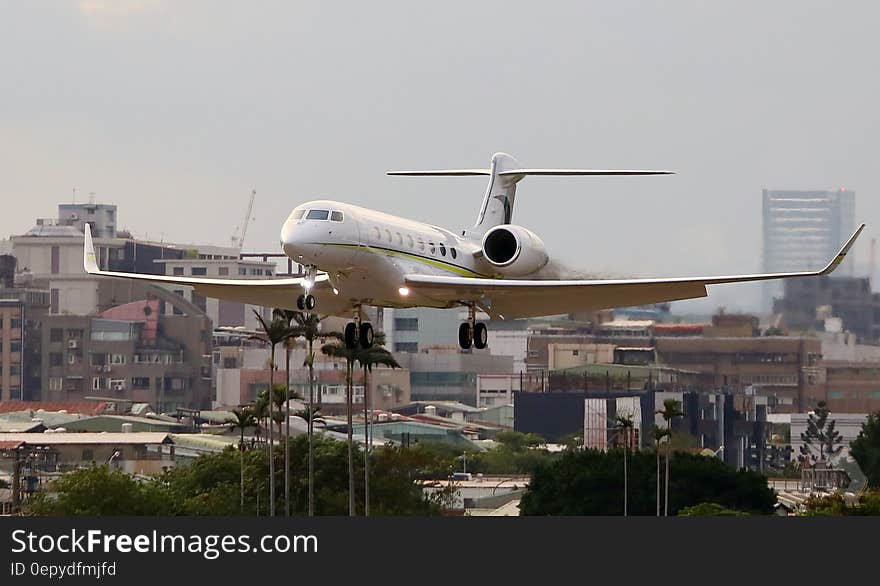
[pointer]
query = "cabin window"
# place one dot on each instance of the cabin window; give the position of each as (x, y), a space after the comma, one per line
(431, 247)
(409, 240)
(377, 236)
(297, 214)
(421, 245)
(336, 216)
(317, 214)
(388, 235)
(453, 252)
(399, 239)
(442, 250)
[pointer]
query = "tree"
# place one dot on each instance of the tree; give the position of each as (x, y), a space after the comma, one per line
(308, 326)
(671, 410)
(866, 449)
(287, 316)
(375, 355)
(338, 349)
(659, 434)
(624, 425)
(101, 491)
(273, 333)
(588, 482)
(821, 441)
(241, 419)
(710, 510)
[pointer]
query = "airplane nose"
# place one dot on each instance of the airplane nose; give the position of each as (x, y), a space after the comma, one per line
(291, 241)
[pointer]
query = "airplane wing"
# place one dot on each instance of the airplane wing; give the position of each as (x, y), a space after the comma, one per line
(510, 298)
(265, 292)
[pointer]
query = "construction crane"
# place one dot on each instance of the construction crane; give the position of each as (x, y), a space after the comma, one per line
(235, 239)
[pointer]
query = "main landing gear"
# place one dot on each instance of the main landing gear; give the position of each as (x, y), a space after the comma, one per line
(473, 333)
(358, 333)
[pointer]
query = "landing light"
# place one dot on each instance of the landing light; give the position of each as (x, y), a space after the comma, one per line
(404, 291)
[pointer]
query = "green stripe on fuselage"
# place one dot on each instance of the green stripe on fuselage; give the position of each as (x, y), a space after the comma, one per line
(446, 266)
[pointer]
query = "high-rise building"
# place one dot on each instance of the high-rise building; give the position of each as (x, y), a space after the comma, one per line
(803, 230)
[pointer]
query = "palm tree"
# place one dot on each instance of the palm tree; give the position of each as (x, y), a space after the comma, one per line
(659, 434)
(242, 418)
(338, 349)
(624, 425)
(273, 333)
(671, 409)
(308, 326)
(375, 355)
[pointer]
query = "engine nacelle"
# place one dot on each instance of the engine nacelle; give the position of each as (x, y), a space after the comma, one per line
(513, 250)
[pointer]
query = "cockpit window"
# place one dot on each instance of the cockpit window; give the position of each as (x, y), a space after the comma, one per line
(335, 216)
(297, 214)
(317, 214)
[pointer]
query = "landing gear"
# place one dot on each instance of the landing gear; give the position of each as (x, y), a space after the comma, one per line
(481, 336)
(351, 335)
(306, 302)
(366, 335)
(464, 336)
(472, 333)
(358, 333)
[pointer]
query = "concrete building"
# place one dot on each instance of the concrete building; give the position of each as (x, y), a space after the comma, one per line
(131, 352)
(448, 374)
(853, 387)
(21, 311)
(100, 216)
(223, 263)
(711, 421)
(241, 373)
(809, 303)
(789, 369)
(11, 349)
(803, 230)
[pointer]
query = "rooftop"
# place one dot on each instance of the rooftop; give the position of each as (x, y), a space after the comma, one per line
(73, 439)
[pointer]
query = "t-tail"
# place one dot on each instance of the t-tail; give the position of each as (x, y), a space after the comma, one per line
(504, 173)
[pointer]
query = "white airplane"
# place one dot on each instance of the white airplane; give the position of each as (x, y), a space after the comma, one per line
(355, 256)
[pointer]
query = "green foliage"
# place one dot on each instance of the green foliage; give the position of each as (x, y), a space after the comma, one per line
(210, 485)
(866, 449)
(821, 441)
(835, 505)
(517, 442)
(590, 482)
(100, 490)
(710, 510)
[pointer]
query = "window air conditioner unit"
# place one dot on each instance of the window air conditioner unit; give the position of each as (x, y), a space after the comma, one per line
(71, 344)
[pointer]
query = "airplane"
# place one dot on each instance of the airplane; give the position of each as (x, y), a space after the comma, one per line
(354, 257)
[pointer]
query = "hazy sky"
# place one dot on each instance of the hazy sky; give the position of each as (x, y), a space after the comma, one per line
(175, 110)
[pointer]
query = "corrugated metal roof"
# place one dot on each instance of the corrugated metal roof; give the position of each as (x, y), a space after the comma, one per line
(40, 439)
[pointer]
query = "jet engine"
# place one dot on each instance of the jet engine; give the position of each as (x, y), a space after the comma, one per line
(513, 250)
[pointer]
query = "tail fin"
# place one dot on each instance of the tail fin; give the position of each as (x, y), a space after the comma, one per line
(497, 207)
(504, 173)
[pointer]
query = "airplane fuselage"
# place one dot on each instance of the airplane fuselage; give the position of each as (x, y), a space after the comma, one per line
(366, 253)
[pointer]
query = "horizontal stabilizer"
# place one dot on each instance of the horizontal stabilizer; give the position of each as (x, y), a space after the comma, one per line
(442, 173)
(526, 172)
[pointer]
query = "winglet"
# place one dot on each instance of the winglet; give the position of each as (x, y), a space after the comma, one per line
(840, 255)
(90, 263)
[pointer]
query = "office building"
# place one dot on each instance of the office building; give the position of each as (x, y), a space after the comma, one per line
(804, 230)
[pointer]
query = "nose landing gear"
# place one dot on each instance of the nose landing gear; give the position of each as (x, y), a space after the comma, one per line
(306, 302)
